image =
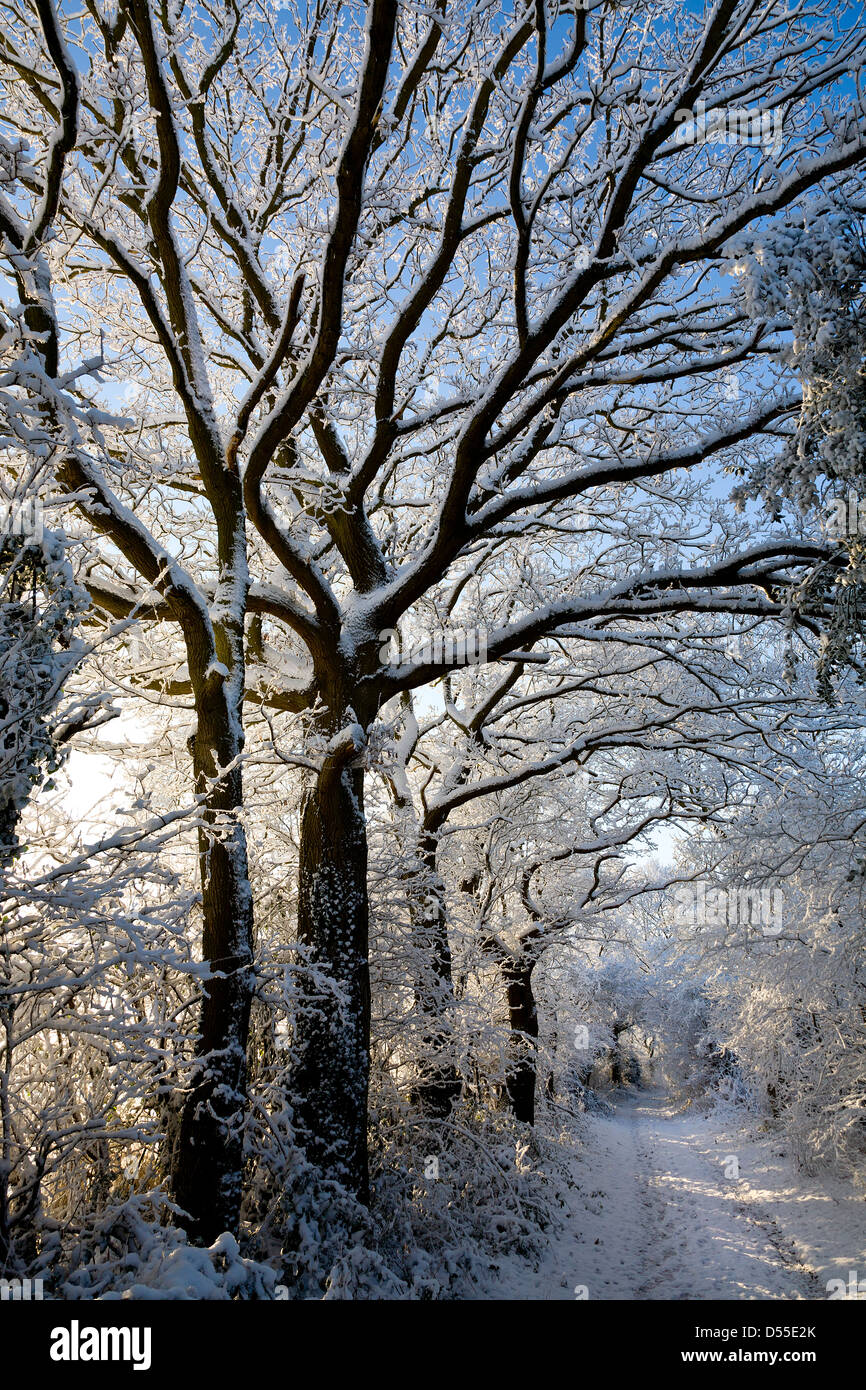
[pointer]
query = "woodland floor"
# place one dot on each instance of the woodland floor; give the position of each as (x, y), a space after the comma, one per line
(655, 1217)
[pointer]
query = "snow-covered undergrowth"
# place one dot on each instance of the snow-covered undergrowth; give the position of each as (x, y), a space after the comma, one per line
(451, 1216)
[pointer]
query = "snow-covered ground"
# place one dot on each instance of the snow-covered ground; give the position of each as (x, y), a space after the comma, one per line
(678, 1204)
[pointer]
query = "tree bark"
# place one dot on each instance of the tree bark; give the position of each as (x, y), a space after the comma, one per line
(438, 1083)
(617, 1075)
(523, 1017)
(331, 1066)
(207, 1158)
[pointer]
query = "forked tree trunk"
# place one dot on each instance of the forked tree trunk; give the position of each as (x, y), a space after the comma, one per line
(331, 1067)
(207, 1157)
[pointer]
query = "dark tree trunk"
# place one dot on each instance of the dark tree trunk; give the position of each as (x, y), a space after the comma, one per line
(207, 1157)
(437, 1084)
(331, 1067)
(523, 1017)
(616, 1058)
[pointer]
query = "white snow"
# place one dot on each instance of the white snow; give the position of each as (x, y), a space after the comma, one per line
(653, 1216)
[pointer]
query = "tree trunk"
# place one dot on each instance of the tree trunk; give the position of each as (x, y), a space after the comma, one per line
(616, 1058)
(207, 1159)
(437, 1084)
(523, 1016)
(331, 1066)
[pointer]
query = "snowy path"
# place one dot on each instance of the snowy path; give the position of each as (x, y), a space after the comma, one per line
(654, 1216)
(662, 1221)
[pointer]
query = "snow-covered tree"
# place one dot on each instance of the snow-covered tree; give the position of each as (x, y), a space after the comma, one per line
(419, 324)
